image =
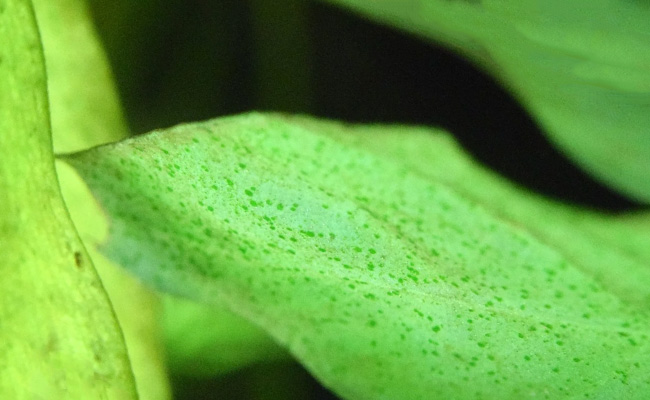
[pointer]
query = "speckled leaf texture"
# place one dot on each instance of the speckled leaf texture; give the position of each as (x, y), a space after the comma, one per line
(383, 258)
(580, 67)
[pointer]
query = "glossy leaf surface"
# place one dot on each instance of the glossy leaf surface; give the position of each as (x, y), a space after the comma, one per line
(383, 258)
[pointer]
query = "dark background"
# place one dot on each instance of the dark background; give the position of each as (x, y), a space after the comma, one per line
(179, 61)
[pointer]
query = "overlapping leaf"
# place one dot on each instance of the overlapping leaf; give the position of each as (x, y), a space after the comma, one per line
(383, 258)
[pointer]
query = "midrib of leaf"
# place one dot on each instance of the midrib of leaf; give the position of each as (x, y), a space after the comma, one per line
(58, 337)
(522, 320)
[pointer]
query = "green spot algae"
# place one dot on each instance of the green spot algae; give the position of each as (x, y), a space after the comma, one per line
(479, 259)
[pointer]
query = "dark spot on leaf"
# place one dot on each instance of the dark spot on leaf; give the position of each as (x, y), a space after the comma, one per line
(78, 259)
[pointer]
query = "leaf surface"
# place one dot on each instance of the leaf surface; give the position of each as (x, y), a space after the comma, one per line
(383, 258)
(582, 68)
(58, 335)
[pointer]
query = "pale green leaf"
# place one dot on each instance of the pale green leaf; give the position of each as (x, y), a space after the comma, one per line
(58, 335)
(384, 259)
(581, 67)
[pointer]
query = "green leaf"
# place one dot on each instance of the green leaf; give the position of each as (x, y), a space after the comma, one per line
(582, 68)
(58, 334)
(383, 258)
(84, 115)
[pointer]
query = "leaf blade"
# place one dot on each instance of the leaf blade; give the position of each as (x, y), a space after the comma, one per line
(385, 282)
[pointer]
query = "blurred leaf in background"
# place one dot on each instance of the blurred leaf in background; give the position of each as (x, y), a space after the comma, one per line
(204, 341)
(582, 68)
